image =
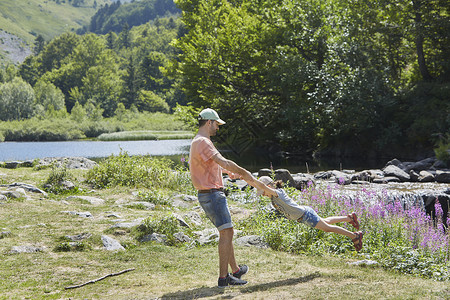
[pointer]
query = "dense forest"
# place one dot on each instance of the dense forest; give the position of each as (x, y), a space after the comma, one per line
(323, 76)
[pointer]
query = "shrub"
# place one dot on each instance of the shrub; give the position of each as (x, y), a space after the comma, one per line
(144, 171)
(167, 225)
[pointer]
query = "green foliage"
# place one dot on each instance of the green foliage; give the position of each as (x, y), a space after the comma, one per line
(154, 196)
(72, 246)
(58, 175)
(112, 17)
(138, 171)
(16, 100)
(442, 149)
(167, 225)
(316, 75)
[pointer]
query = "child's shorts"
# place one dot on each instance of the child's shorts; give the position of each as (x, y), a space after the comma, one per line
(310, 217)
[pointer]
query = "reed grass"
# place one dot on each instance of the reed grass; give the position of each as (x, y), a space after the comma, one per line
(145, 135)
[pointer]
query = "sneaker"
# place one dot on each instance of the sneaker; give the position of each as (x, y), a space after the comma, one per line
(230, 280)
(243, 269)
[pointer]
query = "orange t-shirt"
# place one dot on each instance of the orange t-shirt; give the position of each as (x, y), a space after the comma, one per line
(205, 173)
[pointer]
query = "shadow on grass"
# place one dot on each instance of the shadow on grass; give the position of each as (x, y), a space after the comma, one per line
(204, 292)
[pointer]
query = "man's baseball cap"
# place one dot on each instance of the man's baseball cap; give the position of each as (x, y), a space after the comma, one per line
(266, 180)
(210, 114)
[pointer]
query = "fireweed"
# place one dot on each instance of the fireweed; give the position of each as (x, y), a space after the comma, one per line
(397, 234)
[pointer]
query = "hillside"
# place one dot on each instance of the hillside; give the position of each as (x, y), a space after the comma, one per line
(22, 21)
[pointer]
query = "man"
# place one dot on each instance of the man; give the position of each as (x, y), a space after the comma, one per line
(206, 165)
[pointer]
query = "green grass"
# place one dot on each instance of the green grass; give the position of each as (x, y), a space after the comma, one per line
(27, 19)
(145, 135)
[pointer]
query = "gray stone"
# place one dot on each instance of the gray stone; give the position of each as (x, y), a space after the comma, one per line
(111, 244)
(132, 224)
(395, 171)
(25, 249)
(442, 176)
(154, 237)
(4, 234)
(84, 214)
(425, 176)
(365, 262)
(25, 186)
(69, 162)
(91, 200)
(146, 205)
(251, 240)
(182, 237)
(265, 172)
(79, 237)
(285, 176)
(194, 217)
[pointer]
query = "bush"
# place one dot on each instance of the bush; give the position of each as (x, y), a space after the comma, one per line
(168, 226)
(144, 171)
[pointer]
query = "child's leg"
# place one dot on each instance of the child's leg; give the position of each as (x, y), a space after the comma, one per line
(334, 220)
(325, 226)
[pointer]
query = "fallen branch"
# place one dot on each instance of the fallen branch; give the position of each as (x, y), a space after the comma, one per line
(95, 280)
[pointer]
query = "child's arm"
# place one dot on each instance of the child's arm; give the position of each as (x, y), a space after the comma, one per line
(261, 186)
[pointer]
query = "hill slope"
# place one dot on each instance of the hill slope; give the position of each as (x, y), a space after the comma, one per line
(22, 21)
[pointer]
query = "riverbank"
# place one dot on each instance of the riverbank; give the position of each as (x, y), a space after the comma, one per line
(53, 241)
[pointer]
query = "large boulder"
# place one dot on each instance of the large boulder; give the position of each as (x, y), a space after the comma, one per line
(395, 171)
(442, 176)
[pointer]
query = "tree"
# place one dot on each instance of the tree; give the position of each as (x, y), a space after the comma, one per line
(16, 100)
(39, 44)
(49, 95)
(149, 101)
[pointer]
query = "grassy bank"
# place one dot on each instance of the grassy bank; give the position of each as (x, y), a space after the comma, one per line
(132, 126)
(145, 135)
(301, 263)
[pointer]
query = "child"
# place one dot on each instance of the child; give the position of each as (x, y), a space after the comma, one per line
(305, 214)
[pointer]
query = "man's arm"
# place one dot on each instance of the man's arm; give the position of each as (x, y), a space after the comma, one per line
(232, 167)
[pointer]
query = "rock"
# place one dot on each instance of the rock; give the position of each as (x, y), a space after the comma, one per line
(394, 162)
(143, 204)
(386, 179)
(182, 237)
(251, 240)
(424, 164)
(12, 164)
(85, 214)
(111, 244)
(154, 237)
(442, 176)
(25, 186)
(194, 217)
(285, 176)
(25, 249)
(361, 176)
(79, 237)
(365, 262)
(181, 221)
(265, 172)
(303, 181)
(4, 234)
(3, 198)
(207, 236)
(69, 162)
(395, 171)
(19, 193)
(425, 176)
(132, 224)
(341, 177)
(414, 177)
(91, 200)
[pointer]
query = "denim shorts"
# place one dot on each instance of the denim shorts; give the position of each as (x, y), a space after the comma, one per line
(216, 209)
(310, 217)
